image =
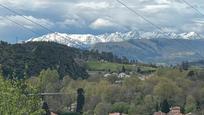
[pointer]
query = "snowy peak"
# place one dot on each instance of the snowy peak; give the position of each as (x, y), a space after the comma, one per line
(190, 35)
(59, 38)
(86, 40)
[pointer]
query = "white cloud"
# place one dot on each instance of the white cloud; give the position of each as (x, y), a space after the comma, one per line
(154, 8)
(31, 4)
(102, 23)
(99, 16)
(93, 5)
(19, 19)
(72, 23)
(163, 1)
(198, 21)
(196, 27)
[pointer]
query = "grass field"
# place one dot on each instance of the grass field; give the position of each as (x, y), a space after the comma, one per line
(105, 66)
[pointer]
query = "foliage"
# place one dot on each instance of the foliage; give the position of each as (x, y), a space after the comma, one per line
(165, 107)
(166, 89)
(116, 67)
(14, 101)
(102, 109)
(120, 107)
(190, 105)
(31, 58)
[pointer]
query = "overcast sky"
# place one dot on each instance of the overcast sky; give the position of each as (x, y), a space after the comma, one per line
(97, 16)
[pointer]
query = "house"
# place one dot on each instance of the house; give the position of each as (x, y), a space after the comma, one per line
(123, 75)
(117, 114)
(159, 113)
(52, 113)
(175, 111)
(107, 75)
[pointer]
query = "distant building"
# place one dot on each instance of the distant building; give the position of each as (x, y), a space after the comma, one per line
(72, 108)
(52, 113)
(123, 75)
(107, 75)
(117, 114)
(173, 111)
(120, 75)
(159, 113)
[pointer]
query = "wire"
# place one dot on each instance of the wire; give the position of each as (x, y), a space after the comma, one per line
(44, 27)
(22, 26)
(25, 17)
(156, 26)
(139, 15)
(198, 11)
(48, 94)
(144, 18)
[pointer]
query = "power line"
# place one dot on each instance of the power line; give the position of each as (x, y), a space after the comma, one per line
(25, 17)
(48, 94)
(198, 11)
(156, 26)
(144, 18)
(44, 27)
(139, 15)
(22, 26)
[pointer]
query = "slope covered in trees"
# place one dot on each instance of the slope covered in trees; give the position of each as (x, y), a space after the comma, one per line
(28, 59)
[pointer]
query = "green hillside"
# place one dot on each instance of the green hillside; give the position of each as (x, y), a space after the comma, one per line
(115, 67)
(28, 59)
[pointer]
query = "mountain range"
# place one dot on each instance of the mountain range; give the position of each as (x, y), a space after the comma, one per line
(154, 47)
(87, 40)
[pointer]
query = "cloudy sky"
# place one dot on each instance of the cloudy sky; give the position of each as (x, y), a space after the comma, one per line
(97, 17)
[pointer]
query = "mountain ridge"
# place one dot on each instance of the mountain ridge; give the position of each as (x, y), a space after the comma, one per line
(87, 40)
(151, 47)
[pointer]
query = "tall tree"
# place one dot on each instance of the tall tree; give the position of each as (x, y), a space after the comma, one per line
(165, 107)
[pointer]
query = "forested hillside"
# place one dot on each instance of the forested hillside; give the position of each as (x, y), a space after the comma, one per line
(28, 59)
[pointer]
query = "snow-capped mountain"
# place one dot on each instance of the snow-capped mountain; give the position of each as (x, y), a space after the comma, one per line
(190, 35)
(155, 47)
(87, 40)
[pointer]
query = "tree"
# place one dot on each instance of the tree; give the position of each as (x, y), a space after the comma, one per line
(102, 109)
(49, 80)
(132, 87)
(185, 65)
(190, 105)
(150, 104)
(14, 101)
(166, 89)
(1, 71)
(165, 107)
(145, 106)
(120, 107)
(191, 75)
(123, 69)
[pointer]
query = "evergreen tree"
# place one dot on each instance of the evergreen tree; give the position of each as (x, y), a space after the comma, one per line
(185, 65)
(165, 106)
(123, 69)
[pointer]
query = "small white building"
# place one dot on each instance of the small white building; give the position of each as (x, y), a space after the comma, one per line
(123, 75)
